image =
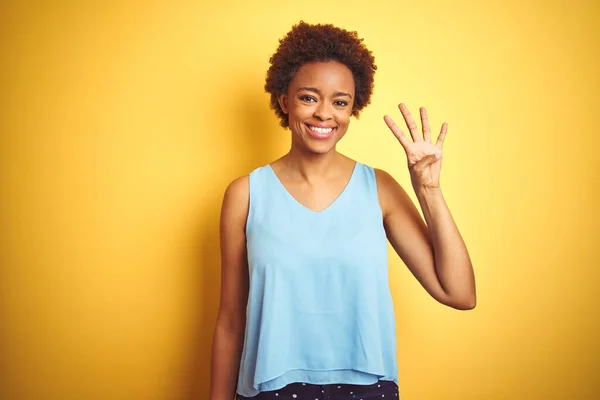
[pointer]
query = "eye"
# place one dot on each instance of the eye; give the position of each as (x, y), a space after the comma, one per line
(307, 98)
(341, 103)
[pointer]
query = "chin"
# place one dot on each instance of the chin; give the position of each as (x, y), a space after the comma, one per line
(321, 149)
(320, 146)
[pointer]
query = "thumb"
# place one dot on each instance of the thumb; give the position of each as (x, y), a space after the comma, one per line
(426, 161)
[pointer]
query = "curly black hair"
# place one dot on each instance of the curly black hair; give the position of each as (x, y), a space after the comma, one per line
(320, 42)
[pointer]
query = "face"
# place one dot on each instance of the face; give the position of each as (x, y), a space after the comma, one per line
(319, 104)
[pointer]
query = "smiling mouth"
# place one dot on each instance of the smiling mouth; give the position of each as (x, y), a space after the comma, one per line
(320, 132)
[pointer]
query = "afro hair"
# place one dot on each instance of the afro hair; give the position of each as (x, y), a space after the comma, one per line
(321, 42)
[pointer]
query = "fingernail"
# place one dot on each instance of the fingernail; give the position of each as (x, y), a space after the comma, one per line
(438, 155)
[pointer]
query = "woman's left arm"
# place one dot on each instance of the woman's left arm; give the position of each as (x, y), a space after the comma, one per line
(433, 251)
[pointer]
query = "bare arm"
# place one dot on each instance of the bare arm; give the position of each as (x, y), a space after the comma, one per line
(231, 321)
(435, 252)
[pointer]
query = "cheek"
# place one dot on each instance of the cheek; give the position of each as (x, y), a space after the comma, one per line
(344, 117)
(299, 111)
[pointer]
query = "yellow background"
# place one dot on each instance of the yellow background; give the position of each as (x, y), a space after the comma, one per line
(121, 123)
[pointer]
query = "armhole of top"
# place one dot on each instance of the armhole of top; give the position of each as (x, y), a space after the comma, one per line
(251, 201)
(374, 189)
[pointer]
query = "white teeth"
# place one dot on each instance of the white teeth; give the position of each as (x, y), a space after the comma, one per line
(321, 131)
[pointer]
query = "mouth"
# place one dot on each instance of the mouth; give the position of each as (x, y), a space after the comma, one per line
(320, 132)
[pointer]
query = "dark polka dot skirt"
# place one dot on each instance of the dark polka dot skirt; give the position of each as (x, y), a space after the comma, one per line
(304, 391)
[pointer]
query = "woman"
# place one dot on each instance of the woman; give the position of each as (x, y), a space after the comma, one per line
(306, 310)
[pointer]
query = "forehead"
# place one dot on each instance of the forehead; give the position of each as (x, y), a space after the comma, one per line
(330, 75)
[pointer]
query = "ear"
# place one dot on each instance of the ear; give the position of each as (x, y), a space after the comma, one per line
(283, 103)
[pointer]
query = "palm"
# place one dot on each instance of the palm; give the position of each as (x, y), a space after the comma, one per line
(415, 153)
(424, 172)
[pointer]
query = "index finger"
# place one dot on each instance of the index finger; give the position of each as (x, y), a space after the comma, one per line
(402, 138)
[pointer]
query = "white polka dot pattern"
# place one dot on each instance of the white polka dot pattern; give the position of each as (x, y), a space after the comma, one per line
(307, 391)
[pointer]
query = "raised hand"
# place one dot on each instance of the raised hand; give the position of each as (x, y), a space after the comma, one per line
(424, 158)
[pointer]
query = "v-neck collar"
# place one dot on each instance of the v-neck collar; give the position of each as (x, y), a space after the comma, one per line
(330, 206)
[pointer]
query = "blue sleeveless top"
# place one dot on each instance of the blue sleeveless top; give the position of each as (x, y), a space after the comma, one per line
(319, 307)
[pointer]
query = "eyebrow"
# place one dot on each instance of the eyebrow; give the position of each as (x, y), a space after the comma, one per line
(315, 90)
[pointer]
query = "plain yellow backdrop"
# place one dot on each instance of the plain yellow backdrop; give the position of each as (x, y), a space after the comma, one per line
(122, 122)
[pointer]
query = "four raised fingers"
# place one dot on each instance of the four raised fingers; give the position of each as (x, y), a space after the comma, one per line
(414, 130)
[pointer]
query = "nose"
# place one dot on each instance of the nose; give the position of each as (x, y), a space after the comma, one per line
(323, 111)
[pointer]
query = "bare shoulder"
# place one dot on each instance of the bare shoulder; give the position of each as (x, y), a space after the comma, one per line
(239, 188)
(236, 199)
(385, 181)
(388, 190)
(234, 270)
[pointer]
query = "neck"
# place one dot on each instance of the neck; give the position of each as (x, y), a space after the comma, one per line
(310, 166)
